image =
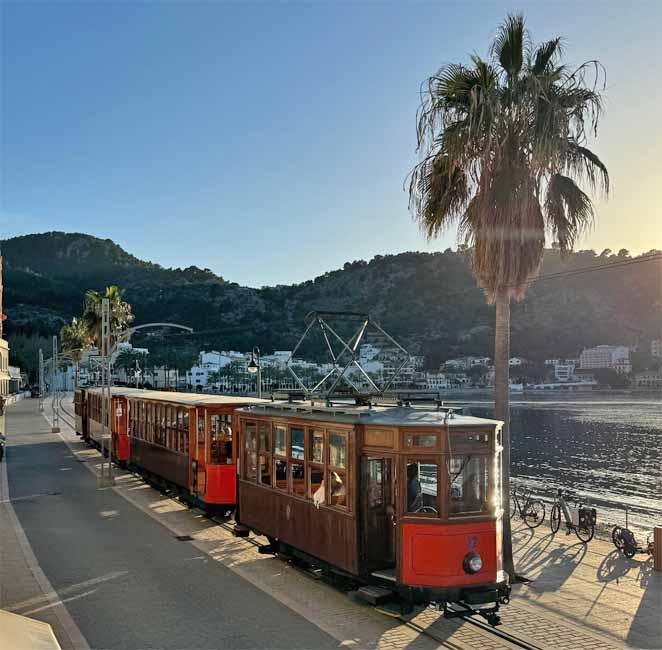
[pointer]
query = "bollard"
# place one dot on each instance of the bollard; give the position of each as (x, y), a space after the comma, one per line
(657, 548)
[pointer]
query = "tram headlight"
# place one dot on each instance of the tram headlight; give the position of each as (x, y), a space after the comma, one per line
(473, 563)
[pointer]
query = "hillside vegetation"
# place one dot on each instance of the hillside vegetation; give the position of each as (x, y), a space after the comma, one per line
(428, 301)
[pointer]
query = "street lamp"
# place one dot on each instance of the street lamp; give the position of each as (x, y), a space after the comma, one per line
(254, 366)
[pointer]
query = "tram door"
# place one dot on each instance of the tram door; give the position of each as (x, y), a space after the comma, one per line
(200, 454)
(377, 495)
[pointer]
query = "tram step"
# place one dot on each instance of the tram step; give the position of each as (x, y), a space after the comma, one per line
(374, 595)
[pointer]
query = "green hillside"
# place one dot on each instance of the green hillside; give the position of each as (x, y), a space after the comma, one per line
(428, 301)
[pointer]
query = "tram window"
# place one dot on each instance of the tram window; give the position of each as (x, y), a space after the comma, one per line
(296, 436)
(201, 427)
(280, 474)
(316, 446)
(250, 472)
(316, 490)
(337, 488)
(337, 449)
(470, 440)
(298, 474)
(220, 434)
(280, 441)
(375, 483)
(468, 484)
(265, 469)
(421, 440)
(422, 487)
(265, 437)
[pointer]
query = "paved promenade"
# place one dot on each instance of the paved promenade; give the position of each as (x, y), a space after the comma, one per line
(113, 559)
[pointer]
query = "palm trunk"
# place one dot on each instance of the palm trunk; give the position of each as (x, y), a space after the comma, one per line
(502, 412)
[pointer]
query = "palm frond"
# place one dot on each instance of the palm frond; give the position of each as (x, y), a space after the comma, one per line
(568, 210)
(583, 164)
(545, 56)
(438, 194)
(510, 45)
(503, 148)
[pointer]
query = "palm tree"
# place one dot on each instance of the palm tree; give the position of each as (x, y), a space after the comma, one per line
(75, 339)
(120, 312)
(503, 150)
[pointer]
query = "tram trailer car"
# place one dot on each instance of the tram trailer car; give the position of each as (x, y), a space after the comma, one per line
(181, 441)
(400, 498)
(80, 416)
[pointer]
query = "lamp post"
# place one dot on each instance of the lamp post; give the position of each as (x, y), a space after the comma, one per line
(254, 366)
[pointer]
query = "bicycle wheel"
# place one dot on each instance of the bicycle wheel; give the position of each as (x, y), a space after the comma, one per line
(555, 519)
(534, 513)
(513, 505)
(585, 533)
(617, 537)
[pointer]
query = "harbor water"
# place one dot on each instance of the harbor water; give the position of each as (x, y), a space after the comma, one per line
(604, 447)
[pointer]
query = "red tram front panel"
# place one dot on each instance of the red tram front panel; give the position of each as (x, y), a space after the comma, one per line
(121, 443)
(432, 555)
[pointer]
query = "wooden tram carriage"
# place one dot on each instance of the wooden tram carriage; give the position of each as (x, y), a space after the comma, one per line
(180, 440)
(401, 498)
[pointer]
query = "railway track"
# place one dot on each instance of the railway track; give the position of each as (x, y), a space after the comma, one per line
(487, 630)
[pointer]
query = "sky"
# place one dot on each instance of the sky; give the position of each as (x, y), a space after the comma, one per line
(270, 141)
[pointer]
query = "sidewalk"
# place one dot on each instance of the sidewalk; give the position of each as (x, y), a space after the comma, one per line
(579, 597)
(594, 586)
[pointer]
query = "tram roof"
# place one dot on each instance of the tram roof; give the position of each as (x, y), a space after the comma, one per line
(193, 399)
(413, 416)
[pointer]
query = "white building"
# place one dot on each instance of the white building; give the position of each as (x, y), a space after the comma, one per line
(276, 360)
(616, 357)
(648, 379)
(564, 369)
(464, 363)
(436, 380)
(517, 361)
(656, 347)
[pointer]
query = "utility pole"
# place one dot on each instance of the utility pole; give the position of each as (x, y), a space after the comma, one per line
(42, 387)
(56, 406)
(106, 478)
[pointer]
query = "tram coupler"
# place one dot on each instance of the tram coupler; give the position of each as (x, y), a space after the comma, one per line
(490, 614)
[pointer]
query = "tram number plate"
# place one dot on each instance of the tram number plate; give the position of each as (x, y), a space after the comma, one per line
(472, 543)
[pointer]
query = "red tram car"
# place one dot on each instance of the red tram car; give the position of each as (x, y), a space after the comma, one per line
(404, 500)
(182, 441)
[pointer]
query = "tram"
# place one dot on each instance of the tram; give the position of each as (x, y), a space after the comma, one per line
(403, 499)
(180, 441)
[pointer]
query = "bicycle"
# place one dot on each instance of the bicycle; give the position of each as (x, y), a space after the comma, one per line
(586, 518)
(625, 541)
(532, 511)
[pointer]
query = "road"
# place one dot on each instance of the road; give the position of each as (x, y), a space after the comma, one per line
(125, 579)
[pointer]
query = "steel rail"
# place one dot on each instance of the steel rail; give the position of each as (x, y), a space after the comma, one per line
(497, 631)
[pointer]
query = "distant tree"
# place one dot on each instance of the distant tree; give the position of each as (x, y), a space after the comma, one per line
(477, 373)
(503, 144)
(609, 378)
(120, 312)
(76, 338)
(624, 252)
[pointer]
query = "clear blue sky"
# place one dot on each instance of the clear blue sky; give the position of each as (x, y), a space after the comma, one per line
(270, 141)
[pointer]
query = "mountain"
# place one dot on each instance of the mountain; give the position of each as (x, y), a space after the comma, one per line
(427, 301)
